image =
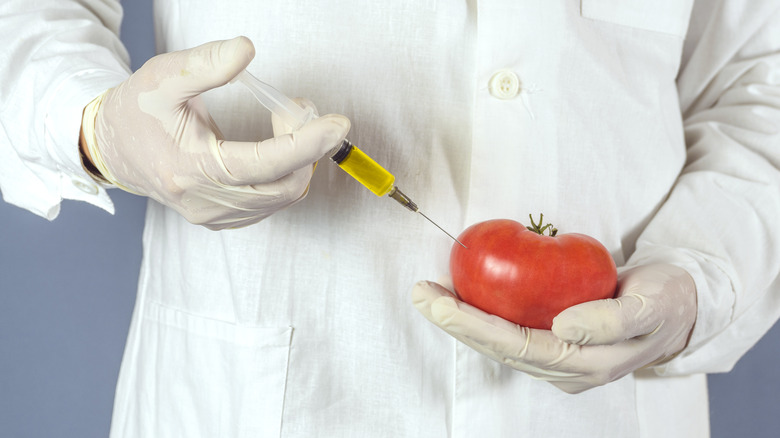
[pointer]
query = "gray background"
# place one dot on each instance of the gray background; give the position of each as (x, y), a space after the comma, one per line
(67, 290)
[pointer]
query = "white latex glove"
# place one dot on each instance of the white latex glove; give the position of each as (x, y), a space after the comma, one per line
(152, 135)
(591, 344)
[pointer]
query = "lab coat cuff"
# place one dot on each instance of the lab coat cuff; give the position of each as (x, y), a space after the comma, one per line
(62, 125)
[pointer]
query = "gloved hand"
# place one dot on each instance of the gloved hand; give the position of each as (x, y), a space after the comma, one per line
(591, 344)
(152, 135)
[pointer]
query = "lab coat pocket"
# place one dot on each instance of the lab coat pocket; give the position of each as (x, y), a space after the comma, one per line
(199, 377)
(664, 16)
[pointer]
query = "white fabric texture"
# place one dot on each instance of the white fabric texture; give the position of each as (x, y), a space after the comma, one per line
(661, 143)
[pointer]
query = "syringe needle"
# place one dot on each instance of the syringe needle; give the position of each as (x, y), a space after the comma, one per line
(442, 229)
(401, 198)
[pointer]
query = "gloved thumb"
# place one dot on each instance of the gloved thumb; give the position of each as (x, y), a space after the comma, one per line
(605, 321)
(207, 66)
(648, 297)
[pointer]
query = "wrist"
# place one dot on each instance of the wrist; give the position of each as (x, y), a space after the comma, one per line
(86, 157)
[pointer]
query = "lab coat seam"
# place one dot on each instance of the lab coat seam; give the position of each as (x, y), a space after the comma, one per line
(286, 382)
(677, 33)
(454, 390)
(132, 344)
(474, 7)
(637, 406)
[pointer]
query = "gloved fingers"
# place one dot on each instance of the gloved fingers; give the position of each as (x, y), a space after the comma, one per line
(490, 331)
(576, 368)
(280, 127)
(528, 350)
(280, 193)
(425, 293)
(437, 304)
(191, 72)
(218, 206)
(600, 364)
(248, 163)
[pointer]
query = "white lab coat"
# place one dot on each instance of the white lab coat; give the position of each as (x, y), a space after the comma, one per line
(301, 325)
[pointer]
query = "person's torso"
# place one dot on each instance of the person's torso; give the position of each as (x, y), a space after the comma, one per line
(301, 325)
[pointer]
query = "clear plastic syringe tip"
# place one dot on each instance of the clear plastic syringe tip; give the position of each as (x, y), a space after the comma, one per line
(292, 114)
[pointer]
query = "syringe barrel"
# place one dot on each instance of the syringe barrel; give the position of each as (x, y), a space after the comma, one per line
(363, 168)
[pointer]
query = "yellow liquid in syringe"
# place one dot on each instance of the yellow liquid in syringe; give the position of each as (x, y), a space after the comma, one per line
(363, 168)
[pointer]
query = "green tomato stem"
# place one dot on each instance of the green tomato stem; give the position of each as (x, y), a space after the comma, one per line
(539, 229)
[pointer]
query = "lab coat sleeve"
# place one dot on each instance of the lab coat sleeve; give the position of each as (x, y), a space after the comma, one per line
(57, 56)
(720, 220)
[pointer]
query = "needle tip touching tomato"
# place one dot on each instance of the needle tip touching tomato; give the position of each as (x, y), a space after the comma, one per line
(526, 276)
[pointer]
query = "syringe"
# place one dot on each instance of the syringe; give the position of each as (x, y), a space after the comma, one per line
(348, 157)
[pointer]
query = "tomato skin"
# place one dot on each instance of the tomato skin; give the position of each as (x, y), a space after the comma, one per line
(528, 278)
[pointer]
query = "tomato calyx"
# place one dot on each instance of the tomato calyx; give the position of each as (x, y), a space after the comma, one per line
(539, 229)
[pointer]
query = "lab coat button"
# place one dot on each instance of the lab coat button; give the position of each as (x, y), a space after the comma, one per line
(85, 186)
(504, 84)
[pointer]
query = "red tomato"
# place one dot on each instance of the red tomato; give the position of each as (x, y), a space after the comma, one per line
(527, 277)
